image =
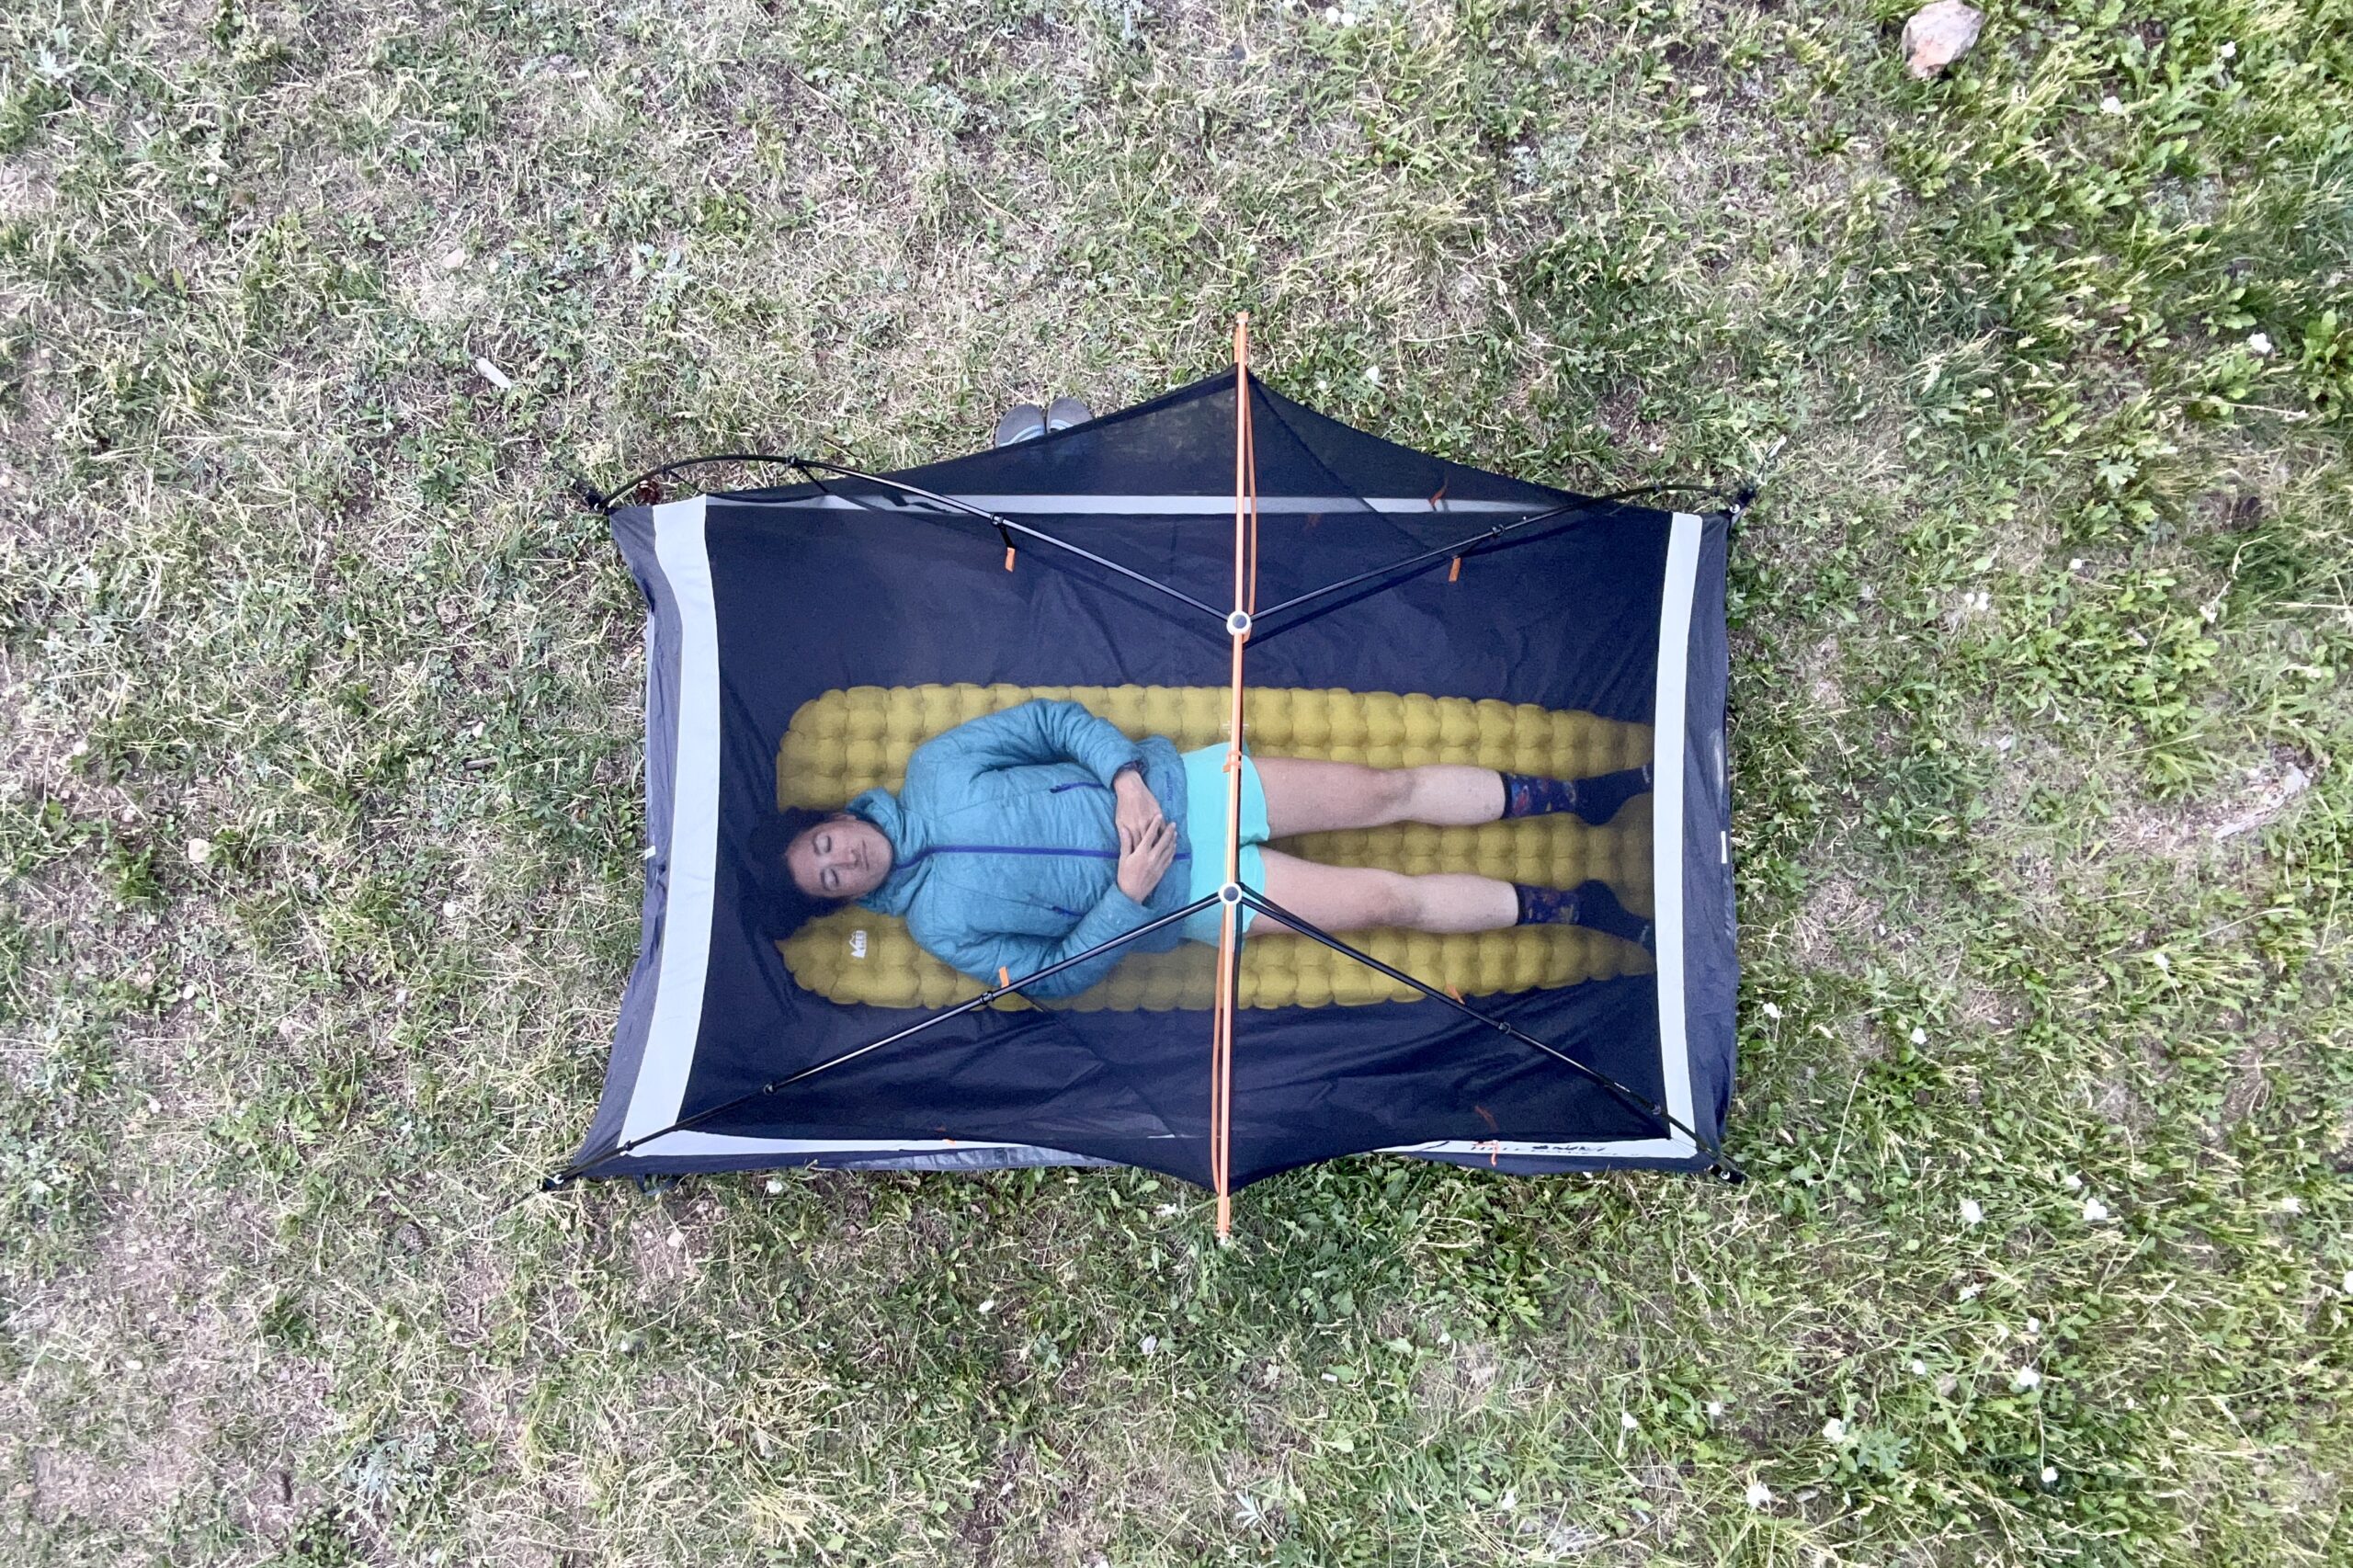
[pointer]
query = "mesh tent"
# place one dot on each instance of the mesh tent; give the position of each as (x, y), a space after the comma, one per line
(803, 639)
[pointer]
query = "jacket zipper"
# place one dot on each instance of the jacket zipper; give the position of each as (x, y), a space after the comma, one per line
(1023, 849)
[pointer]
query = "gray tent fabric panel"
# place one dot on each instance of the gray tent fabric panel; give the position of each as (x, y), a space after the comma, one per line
(853, 1157)
(1711, 960)
(633, 530)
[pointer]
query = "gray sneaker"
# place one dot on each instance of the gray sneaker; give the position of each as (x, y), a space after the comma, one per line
(1022, 422)
(1065, 411)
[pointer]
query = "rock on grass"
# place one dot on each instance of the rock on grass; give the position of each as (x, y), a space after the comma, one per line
(1940, 34)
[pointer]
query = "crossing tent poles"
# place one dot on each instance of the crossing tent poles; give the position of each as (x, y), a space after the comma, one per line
(681, 1094)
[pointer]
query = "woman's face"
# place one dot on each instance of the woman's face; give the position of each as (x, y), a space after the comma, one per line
(843, 856)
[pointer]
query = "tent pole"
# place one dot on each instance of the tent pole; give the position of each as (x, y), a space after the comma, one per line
(1722, 1163)
(1004, 525)
(1228, 958)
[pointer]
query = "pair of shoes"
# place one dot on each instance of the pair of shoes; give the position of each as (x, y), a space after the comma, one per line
(1027, 420)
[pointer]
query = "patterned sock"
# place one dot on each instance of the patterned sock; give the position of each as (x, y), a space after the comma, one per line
(1596, 800)
(1589, 904)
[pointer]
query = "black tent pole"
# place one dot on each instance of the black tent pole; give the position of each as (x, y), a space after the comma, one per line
(1722, 1163)
(1458, 548)
(1005, 525)
(578, 1168)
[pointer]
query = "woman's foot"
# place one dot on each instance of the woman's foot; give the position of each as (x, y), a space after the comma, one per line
(1065, 411)
(1022, 422)
(1596, 800)
(1590, 904)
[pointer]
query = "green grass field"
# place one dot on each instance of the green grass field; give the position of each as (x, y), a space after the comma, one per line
(319, 817)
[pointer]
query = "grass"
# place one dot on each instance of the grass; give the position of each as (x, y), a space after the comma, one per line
(319, 821)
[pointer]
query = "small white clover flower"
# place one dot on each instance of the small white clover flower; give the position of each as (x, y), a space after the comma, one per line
(2094, 1211)
(2026, 1378)
(1626, 1419)
(199, 850)
(2112, 105)
(2259, 343)
(2346, 1284)
(2229, 52)
(775, 1186)
(1919, 1035)
(2049, 1475)
(2034, 1326)
(2071, 1182)
(1835, 1430)
(1760, 1495)
(1972, 1291)
(1773, 1010)
(2291, 1205)
(1716, 1406)
(1972, 1212)
(1919, 1367)
(1151, 1342)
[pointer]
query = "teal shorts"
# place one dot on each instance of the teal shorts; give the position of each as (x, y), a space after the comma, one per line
(1205, 837)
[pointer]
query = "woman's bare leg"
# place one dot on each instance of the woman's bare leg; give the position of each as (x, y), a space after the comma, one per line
(1305, 796)
(1354, 898)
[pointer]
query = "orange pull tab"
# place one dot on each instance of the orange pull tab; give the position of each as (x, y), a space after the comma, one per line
(1450, 991)
(1004, 978)
(1454, 572)
(1009, 557)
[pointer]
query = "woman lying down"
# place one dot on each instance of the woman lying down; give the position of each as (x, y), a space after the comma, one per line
(1027, 836)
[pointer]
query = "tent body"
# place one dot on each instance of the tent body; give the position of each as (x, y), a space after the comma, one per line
(764, 602)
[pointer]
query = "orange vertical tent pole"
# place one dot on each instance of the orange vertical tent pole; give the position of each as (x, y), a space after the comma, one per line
(1245, 593)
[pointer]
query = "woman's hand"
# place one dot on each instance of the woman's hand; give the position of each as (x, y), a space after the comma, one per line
(1138, 808)
(1145, 856)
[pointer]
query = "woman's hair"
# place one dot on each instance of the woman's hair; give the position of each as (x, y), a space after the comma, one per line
(784, 907)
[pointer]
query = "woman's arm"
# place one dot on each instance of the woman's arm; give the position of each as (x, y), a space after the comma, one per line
(983, 954)
(1037, 730)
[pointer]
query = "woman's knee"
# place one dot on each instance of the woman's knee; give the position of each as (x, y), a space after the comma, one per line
(1392, 898)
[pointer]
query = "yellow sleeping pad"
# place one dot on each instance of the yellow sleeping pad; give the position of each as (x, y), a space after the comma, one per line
(847, 741)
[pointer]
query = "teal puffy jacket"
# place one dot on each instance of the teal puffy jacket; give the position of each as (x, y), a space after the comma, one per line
(1005, 850)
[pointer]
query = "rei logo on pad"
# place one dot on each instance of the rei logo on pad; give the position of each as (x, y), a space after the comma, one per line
(858, 944)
